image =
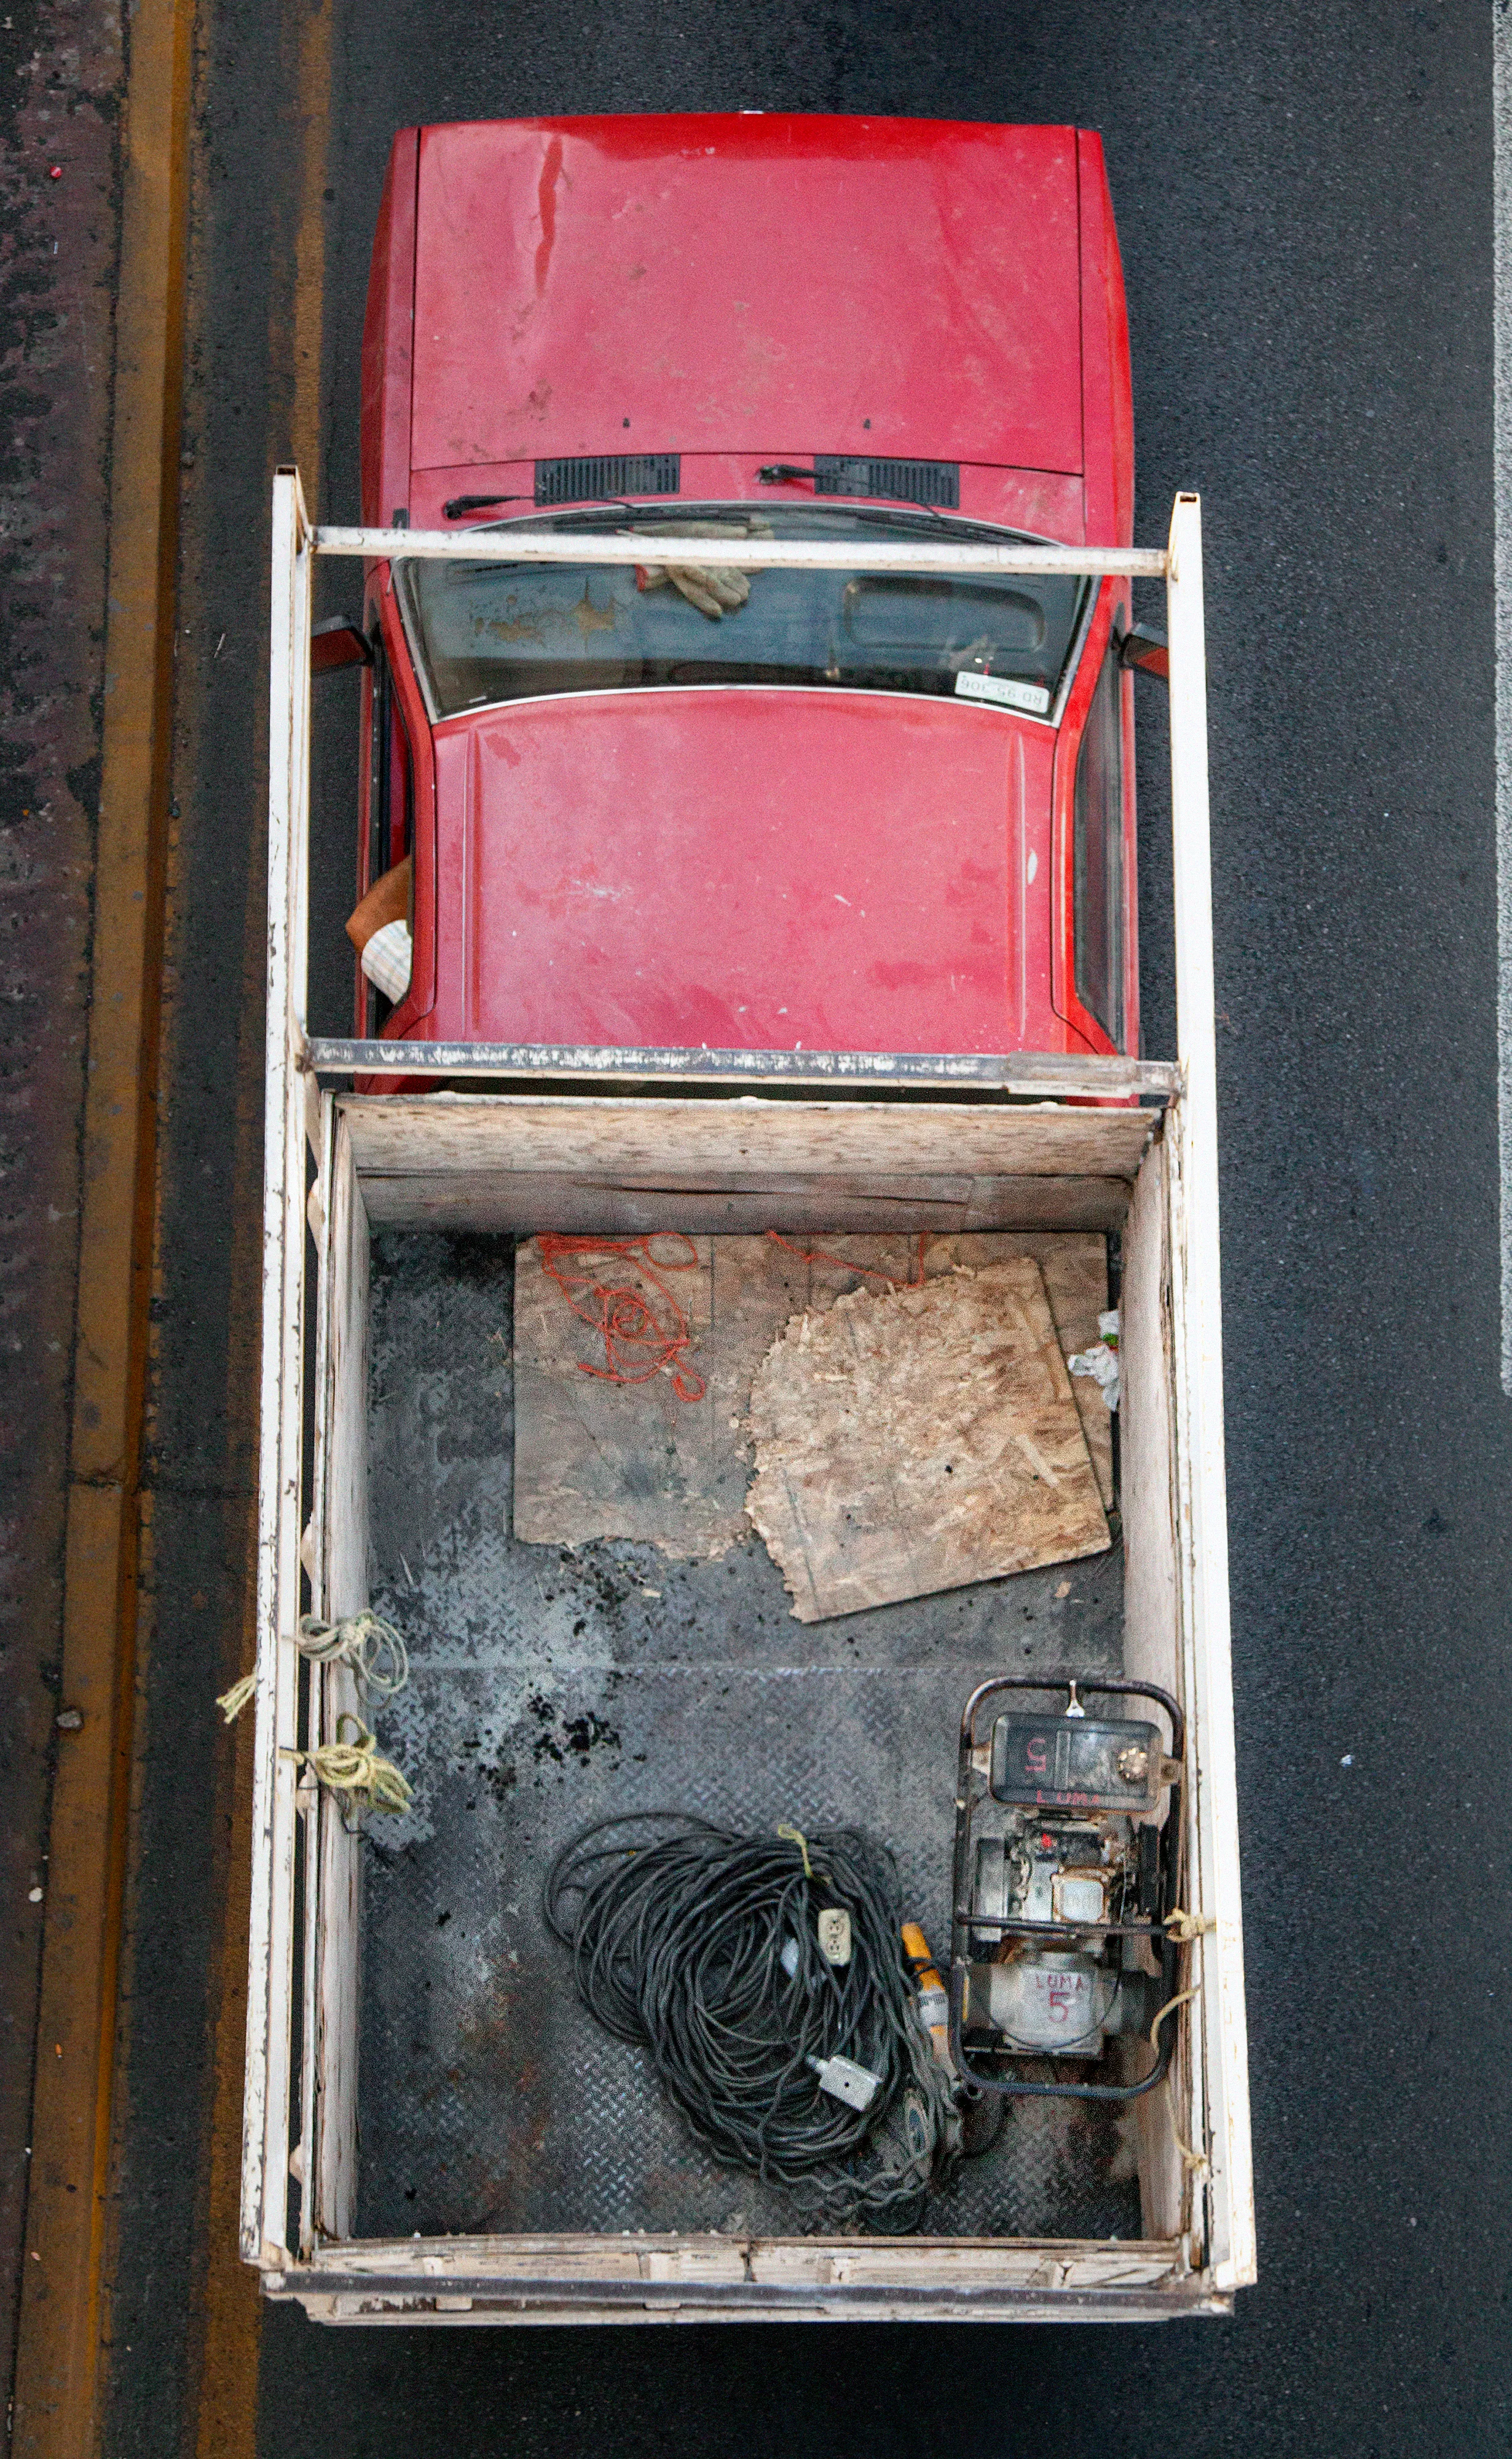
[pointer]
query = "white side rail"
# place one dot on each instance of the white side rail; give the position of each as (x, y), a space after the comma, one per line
(270, 2083)
(1220, 2082)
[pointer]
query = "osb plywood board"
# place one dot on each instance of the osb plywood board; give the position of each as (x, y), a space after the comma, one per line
(596, 1459)
(913, 1439)
(1074, 1267)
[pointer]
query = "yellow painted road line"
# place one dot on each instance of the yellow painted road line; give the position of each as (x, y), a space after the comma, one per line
(313, 104)
(58, 2393)
(226, 2393)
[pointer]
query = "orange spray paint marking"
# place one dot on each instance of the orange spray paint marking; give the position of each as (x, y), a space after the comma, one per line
(638, 1340)
(843, 1263)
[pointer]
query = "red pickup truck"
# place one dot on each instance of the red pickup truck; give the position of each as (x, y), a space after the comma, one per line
(787, 810)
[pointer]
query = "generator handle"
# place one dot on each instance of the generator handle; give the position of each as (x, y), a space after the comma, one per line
(1109, 1684)
(1014, 2088)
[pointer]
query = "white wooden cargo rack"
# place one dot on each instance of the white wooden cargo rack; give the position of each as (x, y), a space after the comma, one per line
(1034, 1153)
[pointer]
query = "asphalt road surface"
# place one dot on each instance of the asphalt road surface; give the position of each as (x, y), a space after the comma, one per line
(1304, 201)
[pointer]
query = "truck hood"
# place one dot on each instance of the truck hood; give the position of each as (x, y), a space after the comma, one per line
(742, 868)
(758, 283)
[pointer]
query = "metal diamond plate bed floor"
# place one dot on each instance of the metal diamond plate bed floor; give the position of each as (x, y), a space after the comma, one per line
(550, 1687)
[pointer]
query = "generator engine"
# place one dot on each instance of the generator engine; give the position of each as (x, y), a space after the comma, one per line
(1066, 1841)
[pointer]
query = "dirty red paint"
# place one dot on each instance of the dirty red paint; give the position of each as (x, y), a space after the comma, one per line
(766, 866)
(940, 298)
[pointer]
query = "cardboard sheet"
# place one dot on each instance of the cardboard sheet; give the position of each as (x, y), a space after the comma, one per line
(594, 1459)
(917, 1439)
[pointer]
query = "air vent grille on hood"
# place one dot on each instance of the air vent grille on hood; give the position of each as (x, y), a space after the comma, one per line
(905, 482)
(592, 476)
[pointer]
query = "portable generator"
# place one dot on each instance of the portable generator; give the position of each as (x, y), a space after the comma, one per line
(1066, 1873)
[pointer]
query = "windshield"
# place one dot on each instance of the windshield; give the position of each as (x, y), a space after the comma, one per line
(488, 632)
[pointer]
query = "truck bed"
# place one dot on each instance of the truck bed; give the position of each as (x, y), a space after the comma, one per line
(550, 1687)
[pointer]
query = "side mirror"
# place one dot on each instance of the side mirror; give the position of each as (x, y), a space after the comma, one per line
(1145, 650)
(338, 642)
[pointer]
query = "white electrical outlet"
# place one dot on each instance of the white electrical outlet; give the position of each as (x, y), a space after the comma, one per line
(844, 2080)
(834, 1934)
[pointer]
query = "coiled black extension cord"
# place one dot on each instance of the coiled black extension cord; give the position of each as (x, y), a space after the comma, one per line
(678, 1944)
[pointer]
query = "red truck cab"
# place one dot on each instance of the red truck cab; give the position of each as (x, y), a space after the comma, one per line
(874, 812)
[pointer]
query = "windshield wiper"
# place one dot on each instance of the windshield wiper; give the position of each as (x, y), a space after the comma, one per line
(950, 523)
(776, 472)
(460, 504)
(907, 511)
(675, 516)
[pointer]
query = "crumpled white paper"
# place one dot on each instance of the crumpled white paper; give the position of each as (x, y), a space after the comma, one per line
(1100, 1363)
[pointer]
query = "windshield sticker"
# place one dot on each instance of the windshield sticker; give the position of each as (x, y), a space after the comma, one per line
(1005, 692)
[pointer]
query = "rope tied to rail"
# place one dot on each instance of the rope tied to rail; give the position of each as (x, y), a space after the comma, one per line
(355, 1770)
(1190, 2160)
(639, 1340)
(1184, 1926)
(232, 1702)
(371, 1647)
(374, 1649)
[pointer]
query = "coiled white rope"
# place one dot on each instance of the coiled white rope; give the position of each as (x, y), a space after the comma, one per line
(1184, 1926)
(373, 1648)
(356, 1770)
